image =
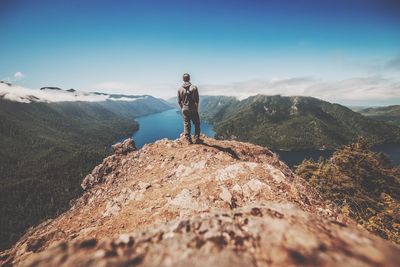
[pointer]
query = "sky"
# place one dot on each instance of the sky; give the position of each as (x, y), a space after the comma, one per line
(341, 51)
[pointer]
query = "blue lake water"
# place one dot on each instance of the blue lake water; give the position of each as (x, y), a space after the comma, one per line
(169, 124)
(166, 124)
(295, 157)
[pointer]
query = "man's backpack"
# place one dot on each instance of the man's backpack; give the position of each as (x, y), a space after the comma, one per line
(188, 96)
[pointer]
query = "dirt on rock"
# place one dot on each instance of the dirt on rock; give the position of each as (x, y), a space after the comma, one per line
(220, 203)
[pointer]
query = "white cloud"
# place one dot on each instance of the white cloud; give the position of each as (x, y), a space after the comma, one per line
(368, 90)
(18, 75)
(115, 87)
(26, 95)
(388, 66)
(371, 88)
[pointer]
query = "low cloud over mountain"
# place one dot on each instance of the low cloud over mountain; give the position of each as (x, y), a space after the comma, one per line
(55, 94)
(375, 88)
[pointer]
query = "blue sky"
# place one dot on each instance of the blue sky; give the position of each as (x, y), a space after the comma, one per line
(229, 47)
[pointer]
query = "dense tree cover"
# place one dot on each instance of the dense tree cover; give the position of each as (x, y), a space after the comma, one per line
(46, 149)
(389, 114)
(292, 122)
(214, 108)
(363, 184)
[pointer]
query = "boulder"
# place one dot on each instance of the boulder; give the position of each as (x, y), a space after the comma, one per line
(124, 147)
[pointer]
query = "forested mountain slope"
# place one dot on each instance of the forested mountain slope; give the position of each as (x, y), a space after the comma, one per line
(295, 122)
(47, 148)
(389, 114)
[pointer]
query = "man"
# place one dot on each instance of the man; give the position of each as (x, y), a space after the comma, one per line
(188, 100)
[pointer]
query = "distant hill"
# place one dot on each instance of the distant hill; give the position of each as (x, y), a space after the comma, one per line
(141, 106)
(292, 122)
(389, 114)
(213, 108)
(46, 148)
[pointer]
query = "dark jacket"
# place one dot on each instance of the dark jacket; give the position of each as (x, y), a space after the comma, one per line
(188, 96)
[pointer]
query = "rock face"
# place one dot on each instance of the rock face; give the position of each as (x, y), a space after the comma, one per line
(221, 203)
(125, 147)
(109, 164)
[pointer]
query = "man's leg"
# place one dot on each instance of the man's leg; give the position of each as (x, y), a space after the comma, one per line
(186, 124)
(196, 122)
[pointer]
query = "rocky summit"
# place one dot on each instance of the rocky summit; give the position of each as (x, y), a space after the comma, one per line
(220, 203)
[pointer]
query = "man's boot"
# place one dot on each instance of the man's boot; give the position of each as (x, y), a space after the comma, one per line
(197, 140)
(188, 140)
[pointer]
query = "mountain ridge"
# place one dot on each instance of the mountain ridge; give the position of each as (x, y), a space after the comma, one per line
(292, 122)
(224, 203)
(389, 114)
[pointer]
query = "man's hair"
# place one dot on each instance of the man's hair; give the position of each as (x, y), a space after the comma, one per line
(186, 77)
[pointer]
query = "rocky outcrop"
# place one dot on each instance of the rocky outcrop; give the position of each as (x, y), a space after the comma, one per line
(109, 164)
(125, 147)
(221, 203)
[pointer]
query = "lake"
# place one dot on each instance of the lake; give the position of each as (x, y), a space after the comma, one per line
(295, 157)
(166, 124)
(169, 124)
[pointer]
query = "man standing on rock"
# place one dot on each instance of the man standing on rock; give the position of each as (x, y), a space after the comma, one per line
(188, 100)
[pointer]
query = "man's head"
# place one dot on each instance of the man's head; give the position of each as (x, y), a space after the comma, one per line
(186, 77)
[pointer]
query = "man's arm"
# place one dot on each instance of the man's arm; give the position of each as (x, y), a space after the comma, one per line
(180, 99)
(196, 97)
